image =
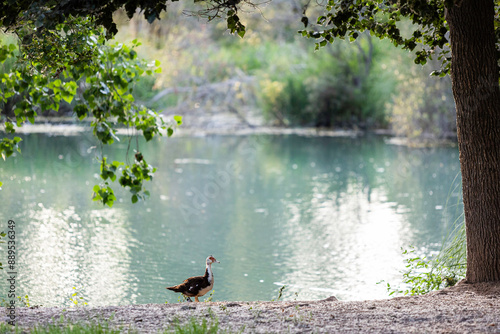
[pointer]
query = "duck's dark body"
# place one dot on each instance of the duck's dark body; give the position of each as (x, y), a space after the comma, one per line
(194, 286)
(197, 286)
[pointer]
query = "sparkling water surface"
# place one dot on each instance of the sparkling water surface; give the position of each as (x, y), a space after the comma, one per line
(323, 216)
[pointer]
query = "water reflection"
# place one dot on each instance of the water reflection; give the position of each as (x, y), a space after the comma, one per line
(351, 243)
(60, 250)
(325, 216)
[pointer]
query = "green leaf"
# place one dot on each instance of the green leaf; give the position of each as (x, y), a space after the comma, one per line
(9, 127)
(305, 20)
(81, 111)
(178, 119)
(241, 31)
(40, 21)
(134, 198)
(67, 97)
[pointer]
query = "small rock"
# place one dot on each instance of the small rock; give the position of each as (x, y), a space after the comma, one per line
(232, 304)
(330, 299)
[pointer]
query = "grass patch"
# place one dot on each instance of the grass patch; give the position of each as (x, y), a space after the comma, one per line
(95, 328)
(195, 327)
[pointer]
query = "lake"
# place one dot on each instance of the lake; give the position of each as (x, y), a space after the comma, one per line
(322, 215)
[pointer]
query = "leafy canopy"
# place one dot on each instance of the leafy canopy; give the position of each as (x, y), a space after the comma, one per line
(72, 64)
(47, 14)
(427, 37)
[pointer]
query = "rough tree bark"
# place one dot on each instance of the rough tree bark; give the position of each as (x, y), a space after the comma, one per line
(474, 73)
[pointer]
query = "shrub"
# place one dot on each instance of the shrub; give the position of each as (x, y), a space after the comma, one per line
(423, 106)
(423, 274)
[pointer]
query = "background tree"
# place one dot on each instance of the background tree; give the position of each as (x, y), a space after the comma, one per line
(470, 28)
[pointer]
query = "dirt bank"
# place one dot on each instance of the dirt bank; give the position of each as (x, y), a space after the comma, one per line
(465, 308)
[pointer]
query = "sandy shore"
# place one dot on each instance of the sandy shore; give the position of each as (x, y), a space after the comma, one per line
(465, 308)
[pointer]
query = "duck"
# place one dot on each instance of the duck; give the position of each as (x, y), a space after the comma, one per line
(197, 286)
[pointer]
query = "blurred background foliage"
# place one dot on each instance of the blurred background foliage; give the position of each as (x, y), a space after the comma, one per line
(273, 76)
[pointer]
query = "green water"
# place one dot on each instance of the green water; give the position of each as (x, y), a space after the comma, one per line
(324, 216)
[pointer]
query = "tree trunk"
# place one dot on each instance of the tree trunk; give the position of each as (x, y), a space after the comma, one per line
(474, 73)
